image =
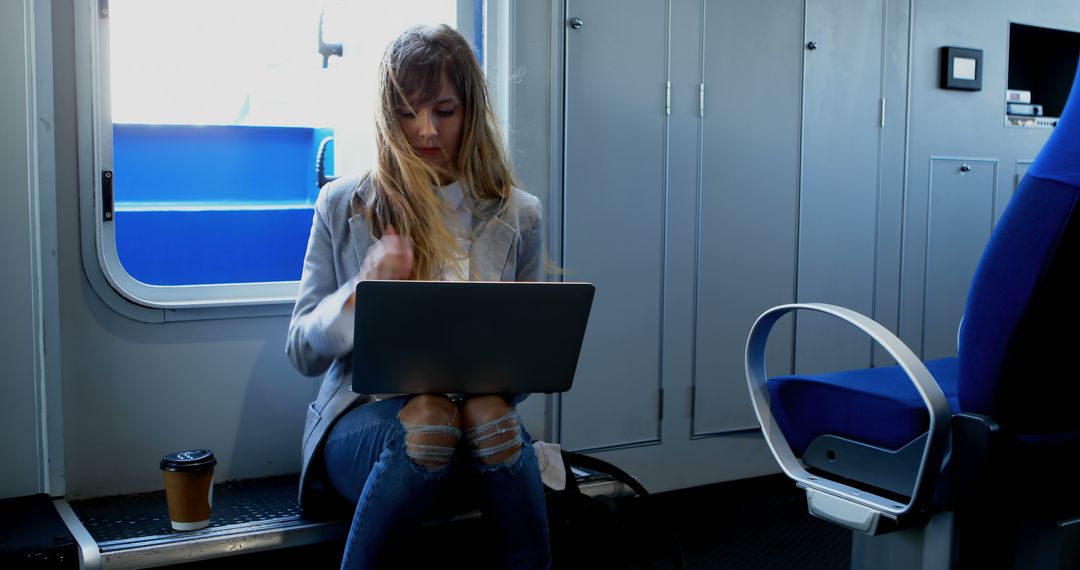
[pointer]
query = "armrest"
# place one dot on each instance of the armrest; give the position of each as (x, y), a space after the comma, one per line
(871, 505)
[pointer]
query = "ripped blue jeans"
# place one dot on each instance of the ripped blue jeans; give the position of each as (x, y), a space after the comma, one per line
(394, 485)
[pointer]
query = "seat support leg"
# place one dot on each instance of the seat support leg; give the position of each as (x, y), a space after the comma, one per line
(985, 540)
(922, 547)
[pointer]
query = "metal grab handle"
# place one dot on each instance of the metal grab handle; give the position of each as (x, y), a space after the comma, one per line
(326, 50)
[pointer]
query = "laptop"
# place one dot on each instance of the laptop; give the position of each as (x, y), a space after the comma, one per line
(418, 337)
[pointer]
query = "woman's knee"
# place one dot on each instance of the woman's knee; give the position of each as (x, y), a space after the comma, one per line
(492, 430)
(432, 428)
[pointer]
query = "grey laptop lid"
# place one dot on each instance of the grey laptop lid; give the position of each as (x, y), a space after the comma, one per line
(416, 337)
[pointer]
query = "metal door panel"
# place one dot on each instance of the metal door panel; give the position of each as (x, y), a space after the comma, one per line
(747, 225)
(840, 177)
(961, 216)
(615, 183)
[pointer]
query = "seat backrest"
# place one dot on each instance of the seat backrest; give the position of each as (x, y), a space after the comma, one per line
(1021, 330)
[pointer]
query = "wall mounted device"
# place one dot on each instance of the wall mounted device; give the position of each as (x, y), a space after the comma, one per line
(1026, 109)
(1042, 62)
(1017, 96)
(961, 68)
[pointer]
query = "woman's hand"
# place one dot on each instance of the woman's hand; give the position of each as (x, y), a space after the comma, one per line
(390, 258)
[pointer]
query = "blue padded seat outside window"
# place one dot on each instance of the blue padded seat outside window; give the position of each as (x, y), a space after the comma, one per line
(214, 204)
(879, 406)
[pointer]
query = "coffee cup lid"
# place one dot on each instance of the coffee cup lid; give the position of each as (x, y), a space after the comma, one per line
(190, 460)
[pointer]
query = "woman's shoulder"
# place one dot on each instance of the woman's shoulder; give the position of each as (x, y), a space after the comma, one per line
(521, 210)
(521, 202)
(517, 208)
(336, 196)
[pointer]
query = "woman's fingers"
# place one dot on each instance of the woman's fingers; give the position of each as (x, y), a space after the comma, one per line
(406, 257)
(397, 256)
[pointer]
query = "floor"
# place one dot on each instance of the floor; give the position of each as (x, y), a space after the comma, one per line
(755, 524)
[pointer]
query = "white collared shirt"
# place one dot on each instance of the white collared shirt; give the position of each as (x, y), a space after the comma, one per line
(459, 222)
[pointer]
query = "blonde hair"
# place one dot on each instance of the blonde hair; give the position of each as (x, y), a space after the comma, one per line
(402, 183)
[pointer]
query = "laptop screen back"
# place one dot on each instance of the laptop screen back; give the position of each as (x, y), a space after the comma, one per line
(416, 337)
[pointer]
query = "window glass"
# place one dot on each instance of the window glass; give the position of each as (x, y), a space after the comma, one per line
(222, 112)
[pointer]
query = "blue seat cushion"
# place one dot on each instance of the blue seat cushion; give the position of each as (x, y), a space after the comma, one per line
(878, 406)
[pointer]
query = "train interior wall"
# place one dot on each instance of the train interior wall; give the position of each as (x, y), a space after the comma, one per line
(94, 398)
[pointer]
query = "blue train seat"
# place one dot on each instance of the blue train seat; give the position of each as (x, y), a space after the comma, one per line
(995, 428)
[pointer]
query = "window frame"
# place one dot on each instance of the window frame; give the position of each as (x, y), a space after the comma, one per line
(101, 262)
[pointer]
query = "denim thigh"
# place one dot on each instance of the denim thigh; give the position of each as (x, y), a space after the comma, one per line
(358, 437)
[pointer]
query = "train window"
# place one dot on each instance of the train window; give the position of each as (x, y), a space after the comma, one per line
(216, 122)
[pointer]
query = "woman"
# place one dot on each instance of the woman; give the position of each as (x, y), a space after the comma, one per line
(439, 205)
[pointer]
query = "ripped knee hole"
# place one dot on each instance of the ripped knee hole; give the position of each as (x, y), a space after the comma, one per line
(430, 446)
(497, 441)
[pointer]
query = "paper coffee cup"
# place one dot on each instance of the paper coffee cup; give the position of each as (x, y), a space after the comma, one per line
(189, 487)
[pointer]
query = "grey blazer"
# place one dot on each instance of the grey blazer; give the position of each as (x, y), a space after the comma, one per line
(507, 247)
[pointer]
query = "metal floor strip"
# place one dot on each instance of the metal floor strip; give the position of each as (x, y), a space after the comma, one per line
(133, 531)
(89, 554)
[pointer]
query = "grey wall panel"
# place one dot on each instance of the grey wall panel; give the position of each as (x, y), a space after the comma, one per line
(21, 436)
(840, 177)
(893, 167)
(532, 57)
(962, 123)
(134, 391)
(1022, 167)
(680, 461)
(530, 123)
(962, 197)
(616, 69)
(684, 149)
(748, 200)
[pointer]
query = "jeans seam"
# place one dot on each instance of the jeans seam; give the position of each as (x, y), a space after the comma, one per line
(367, 504)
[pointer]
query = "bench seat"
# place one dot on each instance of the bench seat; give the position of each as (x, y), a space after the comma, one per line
(133, 531)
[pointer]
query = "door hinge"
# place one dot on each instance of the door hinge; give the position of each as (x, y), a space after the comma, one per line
(883, 112)
(693, 400)
(701, 100)
(660, 404)
(103, 8)
(667, 98)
